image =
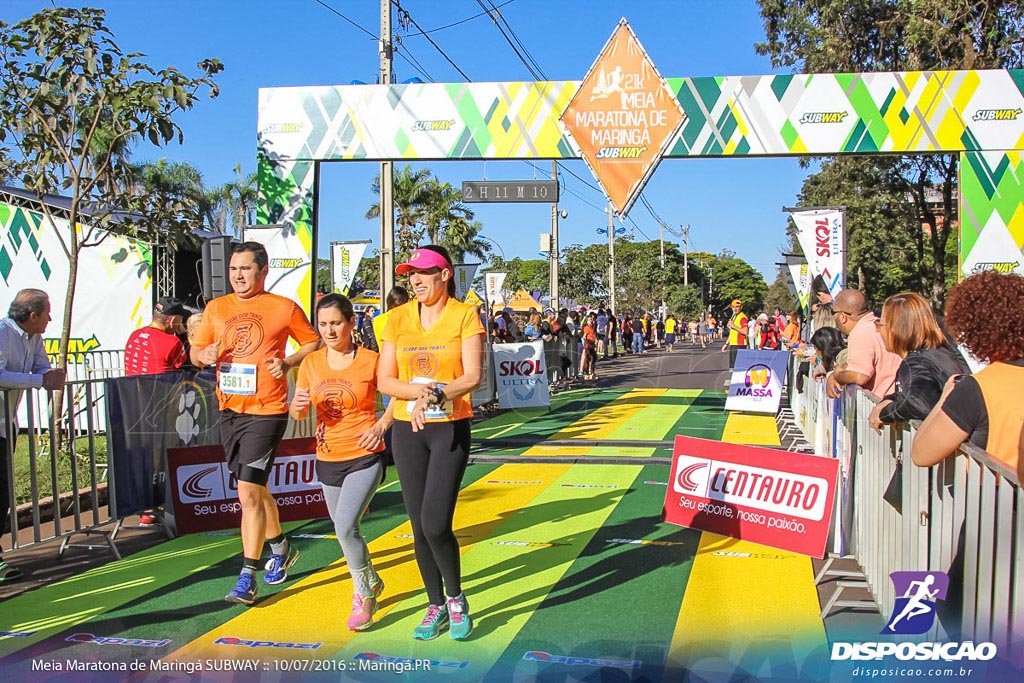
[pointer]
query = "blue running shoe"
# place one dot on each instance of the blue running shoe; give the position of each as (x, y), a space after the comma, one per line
(244, 592)
(433, 623)
(278, 565)
(458, 612)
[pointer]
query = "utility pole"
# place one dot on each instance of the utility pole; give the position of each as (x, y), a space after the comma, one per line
(686, 255)
(661, 240)
(553, 255)
(387, 190)
(611, 258)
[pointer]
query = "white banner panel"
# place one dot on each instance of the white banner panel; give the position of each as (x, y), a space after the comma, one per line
(494, 282)
(464, 274)
(822, 236)
(800, 279)
(521, 375)
(757, 381)
(291, 267)
(345, 258)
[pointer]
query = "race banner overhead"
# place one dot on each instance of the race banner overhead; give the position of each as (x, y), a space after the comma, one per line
(822, 236)
(776, 498)
(623, 117)
(345, 258)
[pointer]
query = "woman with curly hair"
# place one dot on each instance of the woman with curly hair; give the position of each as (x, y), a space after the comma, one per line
(984, 313)
(909, 330)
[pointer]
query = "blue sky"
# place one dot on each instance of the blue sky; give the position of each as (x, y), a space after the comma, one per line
(728, 203)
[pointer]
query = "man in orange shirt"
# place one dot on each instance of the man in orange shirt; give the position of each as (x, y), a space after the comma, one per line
(245, 334)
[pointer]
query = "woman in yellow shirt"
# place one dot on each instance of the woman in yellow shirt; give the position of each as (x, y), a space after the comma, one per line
(431, 360)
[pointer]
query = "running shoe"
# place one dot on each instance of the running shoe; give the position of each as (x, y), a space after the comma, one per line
(278, 565)
(146, 519)
(244, 592)
(8, 573)
(458, 612)
(433, 623)
(363, 608)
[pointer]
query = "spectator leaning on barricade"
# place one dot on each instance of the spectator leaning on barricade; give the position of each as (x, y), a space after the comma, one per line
(909, 330)
(829, 350)
(868, 365)
(23, 365)
(984, 314)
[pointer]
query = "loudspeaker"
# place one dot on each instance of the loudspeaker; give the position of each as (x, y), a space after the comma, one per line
(216, 258)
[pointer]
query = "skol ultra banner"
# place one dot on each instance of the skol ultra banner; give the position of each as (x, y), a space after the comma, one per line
(757, 381)
(345, 258)
(494, 282)
(822, 236)
(800, 280)
(776, 498)
(205, 494)
(291, 264)
(464, 274)
(521, 375)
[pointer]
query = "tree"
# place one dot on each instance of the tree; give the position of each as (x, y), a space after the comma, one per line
(821, 36)
(411, 195)
(582, 277)
(174, 184)
(737, 279)
(461, 239)
(73, 101)
(779, 296)
(233, 204)
(685, 303)
(443, 207)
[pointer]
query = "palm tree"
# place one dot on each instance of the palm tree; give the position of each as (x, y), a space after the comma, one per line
(461, 240)
(410, 195)
(443, 208)
(234, 203)
(174, 181)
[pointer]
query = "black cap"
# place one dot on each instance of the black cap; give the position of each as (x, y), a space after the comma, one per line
(168, 305)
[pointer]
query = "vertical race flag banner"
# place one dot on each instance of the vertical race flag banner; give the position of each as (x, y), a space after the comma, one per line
(345, 258)
(204, 493)
(521, 375)
(291, 266)
(800, 279)
(623, 117)
(757, 381)
(779, 499)
(464, 274)
(822, 236)
(494, 282)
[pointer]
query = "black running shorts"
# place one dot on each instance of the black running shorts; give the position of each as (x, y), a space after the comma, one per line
(249, 443)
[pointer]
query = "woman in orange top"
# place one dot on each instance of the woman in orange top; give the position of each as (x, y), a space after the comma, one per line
(791, 333)
(431, 360)
(340, 381)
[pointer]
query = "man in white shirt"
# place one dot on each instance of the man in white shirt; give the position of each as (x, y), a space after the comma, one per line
(23, 365)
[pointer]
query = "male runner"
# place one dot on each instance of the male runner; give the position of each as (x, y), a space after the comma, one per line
(246, 334)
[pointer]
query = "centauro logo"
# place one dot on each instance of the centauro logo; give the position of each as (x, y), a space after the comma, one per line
(997, 114)
(823, 117)
(620, 152)
(430, 126)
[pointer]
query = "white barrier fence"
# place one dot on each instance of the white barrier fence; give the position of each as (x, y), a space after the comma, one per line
(964, 517)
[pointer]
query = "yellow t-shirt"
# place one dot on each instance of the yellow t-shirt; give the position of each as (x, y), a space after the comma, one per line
(433, 355)
(670, 326)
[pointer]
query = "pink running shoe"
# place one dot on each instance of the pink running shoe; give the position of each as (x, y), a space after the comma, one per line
(363, 608)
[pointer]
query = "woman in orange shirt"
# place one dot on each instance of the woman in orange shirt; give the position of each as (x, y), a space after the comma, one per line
(431, 360)
(791, 333)
(340, 381)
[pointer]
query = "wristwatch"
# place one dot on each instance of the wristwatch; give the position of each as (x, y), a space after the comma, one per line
(438, 396)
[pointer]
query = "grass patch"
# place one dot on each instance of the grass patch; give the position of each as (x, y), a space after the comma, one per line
(44, 466)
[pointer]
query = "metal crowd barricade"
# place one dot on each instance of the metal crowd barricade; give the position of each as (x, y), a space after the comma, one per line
(964, 515)
(64, 442)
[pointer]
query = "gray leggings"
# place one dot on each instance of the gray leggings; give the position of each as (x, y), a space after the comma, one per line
(346, 504)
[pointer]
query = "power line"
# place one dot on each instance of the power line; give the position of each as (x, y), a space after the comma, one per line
(331, 9)
(519, 42)
(462, 21)
(408, 17)
(508, 40)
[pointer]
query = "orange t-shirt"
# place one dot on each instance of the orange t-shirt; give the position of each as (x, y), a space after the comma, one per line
(250, 331)
(434, 354)
(345, 402)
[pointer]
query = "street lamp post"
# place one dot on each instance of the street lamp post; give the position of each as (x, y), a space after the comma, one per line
(611, 231)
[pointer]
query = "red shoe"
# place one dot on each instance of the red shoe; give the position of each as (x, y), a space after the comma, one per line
(147, 519)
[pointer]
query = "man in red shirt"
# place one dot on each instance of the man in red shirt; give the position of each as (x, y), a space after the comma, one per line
(156, 348)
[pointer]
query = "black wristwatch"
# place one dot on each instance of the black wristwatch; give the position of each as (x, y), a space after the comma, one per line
(438, 395)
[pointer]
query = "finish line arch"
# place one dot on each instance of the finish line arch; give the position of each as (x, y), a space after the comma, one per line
(978, 114)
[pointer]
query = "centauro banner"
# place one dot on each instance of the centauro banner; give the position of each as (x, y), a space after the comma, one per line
(345, 258)
(822, 236)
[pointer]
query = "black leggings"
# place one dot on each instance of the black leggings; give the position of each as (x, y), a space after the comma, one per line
(430, 466)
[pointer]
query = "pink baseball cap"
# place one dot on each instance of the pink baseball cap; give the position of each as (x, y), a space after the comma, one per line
(422, 259)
